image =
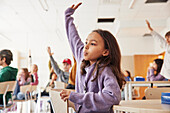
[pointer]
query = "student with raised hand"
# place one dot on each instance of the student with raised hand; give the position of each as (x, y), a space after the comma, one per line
(7, 73)
(99, 77)
(165, 44)
(62, 76)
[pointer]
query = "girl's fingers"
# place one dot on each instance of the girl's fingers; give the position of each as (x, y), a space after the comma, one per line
(77, 5)
(147, 22)
(66, 98)
(64, 95)
(72, 6)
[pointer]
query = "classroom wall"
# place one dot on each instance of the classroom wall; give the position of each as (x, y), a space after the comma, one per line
(127, 63)
(38, 44)
(23, 41)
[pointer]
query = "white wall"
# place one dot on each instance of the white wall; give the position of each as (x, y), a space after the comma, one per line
(37, 43)
(127, 63)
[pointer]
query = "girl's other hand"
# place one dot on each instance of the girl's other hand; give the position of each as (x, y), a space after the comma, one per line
(75, 7)
(65, 94)
(150, 66)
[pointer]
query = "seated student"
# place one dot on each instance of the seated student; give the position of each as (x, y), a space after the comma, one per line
(127, 75)
(154, 69)
(34, 75)
(63, 75)
(72, 76)
(53, 78)
(7, 73)
(22, 79)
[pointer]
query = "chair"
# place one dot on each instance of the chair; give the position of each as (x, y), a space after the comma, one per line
(25, 89)
(59, 106)
(8, 86)
(44, 99)
(60, 85)
(155, 93)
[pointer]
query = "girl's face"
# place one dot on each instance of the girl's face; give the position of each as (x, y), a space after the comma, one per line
(34, 68)
(94, 48)
(126, 74)
(168, 39)
(21, 73)
(154, 65)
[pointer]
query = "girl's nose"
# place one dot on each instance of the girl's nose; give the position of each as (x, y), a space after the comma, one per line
(86, 46)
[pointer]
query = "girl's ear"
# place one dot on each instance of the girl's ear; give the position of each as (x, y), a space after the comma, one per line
(106, 52)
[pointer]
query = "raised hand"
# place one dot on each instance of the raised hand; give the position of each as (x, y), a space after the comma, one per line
(49, 51)
(75, 7)
(149, 26)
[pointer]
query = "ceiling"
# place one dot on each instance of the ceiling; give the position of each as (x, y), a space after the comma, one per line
(29, 17)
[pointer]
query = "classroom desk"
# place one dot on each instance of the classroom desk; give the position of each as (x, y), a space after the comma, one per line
(142, 106)
(130, 84)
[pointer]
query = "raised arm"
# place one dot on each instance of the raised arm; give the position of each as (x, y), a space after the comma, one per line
(55, 66)
(149, 26)
(157, 36)
(74, 40)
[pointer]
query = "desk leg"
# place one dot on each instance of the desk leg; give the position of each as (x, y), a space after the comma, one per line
(126, 91)
(130, 91)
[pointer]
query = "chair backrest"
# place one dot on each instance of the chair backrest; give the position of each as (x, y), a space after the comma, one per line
(29, 88)
(4, 88)
(60, 85)
(7, 86)
(155, 93)
(59, 106)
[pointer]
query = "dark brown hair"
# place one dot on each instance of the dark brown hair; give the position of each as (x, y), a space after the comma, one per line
(167, 34)
(159, 63)
(26, 73)
(113, 60)
(7, 54)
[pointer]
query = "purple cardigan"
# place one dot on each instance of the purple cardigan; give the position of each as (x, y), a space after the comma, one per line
(90, 97)
(151, 76)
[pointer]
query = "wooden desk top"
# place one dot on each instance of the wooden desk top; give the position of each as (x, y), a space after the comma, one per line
(148, 82)
(143, 106)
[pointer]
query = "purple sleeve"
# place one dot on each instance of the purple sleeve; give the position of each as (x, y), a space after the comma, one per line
(74, 40)
(36, 79)
(104, 99)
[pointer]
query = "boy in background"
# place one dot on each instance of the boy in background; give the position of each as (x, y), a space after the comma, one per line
(7, 73)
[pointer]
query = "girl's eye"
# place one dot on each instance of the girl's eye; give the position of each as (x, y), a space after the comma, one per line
(93, 44)
(86, 43)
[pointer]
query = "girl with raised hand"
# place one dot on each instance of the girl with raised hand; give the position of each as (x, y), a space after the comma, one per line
(99, 77)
